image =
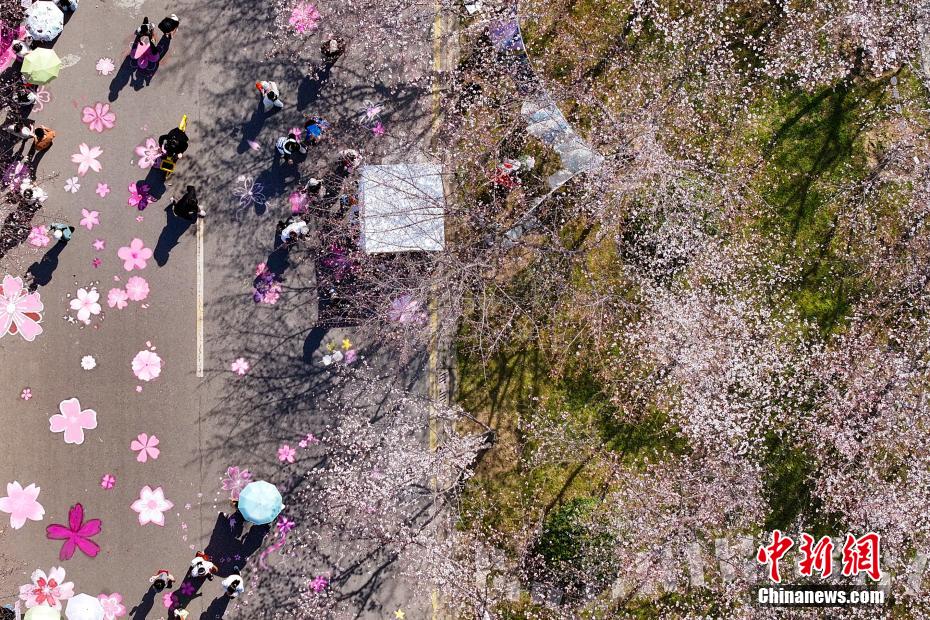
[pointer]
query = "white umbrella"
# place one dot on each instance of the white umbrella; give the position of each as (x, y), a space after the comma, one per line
(44, 21)
(84, 607)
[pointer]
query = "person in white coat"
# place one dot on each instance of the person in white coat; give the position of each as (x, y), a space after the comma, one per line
(271, 96)
(234, 585)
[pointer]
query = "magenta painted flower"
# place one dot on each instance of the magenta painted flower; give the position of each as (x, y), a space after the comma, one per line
(105, 66)
(240, 366)
(90, 219)
(319, 583)
(285, 525)
(38, 236)
(286, 454)
(407, 310)
(103, 189)
(304, 18)
(146, 446)
(86, 158)
(137, 288)
(77, 534)
(98, 117)
(22, 504)
(107, 481)
(86, 303)
(20, 311)
(139, 196)
(26, 394)
(236, 479)
(152, 505)
(49, 589)
(7, 36)
(116, 298)
(146, 365)
(112, 604)
(72, 420)
(96, 262)
(135, 255)
(148, 153)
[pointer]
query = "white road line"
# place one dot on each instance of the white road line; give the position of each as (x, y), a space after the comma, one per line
(200, 232)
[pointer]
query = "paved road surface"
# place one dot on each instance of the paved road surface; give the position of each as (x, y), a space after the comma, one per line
(204, 424)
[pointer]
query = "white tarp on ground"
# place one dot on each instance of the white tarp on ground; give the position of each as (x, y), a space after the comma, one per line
(402, 208)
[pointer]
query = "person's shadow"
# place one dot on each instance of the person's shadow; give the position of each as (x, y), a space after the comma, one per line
(313, 342)
(142, 609)
(122, 77)
(216, 609)
(228, 548)
(170, 237)
(41, 271)
(310, 88)
(252, 128)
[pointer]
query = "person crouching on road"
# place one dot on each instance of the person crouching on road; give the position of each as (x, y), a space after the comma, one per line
(289, 146)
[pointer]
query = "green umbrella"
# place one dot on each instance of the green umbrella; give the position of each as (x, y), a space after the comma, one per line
(42, 612)
(41, 66)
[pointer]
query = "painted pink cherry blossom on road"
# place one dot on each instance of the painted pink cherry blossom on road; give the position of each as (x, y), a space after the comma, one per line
(107, 481)
(86, 304)
(286, 454)
(319, 583)
(38, 236)
(86, 158)
(26, 394)
(135, 255)
(49, 589)
(77, 534)
(236, 479)
(139, 196)
(146, 365)
(152, 505)
(137, 288)
(22, 504)
(378, 129)
(240, 366)
(146, 446)
(112, 604)
(169, 599)
(20, 310)
(99, 244)
(148, 153)
(98, 117)
(72, 420)
(90, 219)
(72, 185)
(43, 96)
(96, 262)
(103, 189)
(105, 66)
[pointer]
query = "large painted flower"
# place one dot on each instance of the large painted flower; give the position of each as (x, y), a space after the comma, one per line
(236, 479)
(22, 504)
(49, 589)
(152, 505)
(86, 159)
(146, 365)
(38, 236)
(72, 420)
(77, 534)
(99, 117)
(135, 255)
(139, 196)
(19, 310)
(148, 153)
(15, 174)
(86, 303)
(113, 607)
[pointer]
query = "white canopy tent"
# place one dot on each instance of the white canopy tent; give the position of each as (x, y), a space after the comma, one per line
(402, 208)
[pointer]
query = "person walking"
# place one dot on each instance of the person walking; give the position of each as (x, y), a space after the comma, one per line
(161, 580)
(187, 206)
(292, 229)
(42, 138)
(332, 48)
(289, 146)
(61, 232)
(271, 96)
(31, 192)
(201, 566)
(234, 584)
(169, 25)
(146, 30)
(174, 143)
(21, 47)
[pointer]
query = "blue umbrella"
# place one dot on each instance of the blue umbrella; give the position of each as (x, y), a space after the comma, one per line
(260, 502)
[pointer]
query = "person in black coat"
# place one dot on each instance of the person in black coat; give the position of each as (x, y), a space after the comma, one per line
(174, 143)
(187, 206)
(169, 25)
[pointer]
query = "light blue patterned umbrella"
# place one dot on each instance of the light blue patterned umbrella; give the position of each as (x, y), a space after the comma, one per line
(260, 502)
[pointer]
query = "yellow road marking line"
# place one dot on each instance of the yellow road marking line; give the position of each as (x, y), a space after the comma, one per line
(434, 313)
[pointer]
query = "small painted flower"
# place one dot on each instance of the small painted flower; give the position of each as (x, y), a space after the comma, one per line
(310, 439)
(103, 189)
(137, 288)
(112, 604)
(105, 66)
(327, 359)
(38, 236)
(135, 255)
(86, 304)
(73, 420)
(378, 129)
(96, 262)
(116, 298)
(72, 185)
(146, 365)
(21, 504)
(86, 158)
(286, 454)
(107, 481)
(152, 505)
(90, 219)
(240, 366)
(26, 394)
(351, 356)
(88, 362)
(148, 153)
(337, 356)
(99, 117)
(99, 244)
(146, 446)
